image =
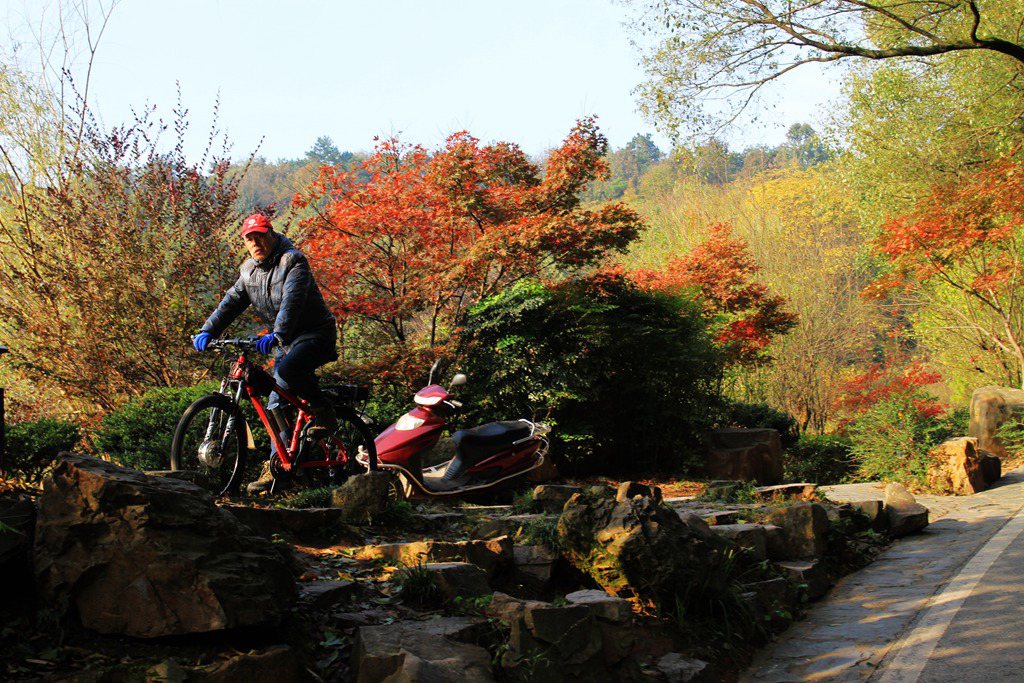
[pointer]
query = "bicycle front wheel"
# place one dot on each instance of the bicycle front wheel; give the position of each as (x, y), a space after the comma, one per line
(209, 441)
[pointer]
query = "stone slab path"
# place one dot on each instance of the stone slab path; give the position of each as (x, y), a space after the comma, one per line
(848, 634)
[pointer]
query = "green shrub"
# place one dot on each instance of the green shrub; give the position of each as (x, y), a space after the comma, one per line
(764, 416)
(31, 447)
(819, 458)
(892, 438)
(139, 433)
(628, 379)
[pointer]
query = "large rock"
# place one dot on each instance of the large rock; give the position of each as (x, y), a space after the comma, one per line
(745, 455)
(637, 548)
(631, 489)
(679, 669)
(603, 606)
(148, 557)
(423, 651)
(552, 498)
(363, 498)
(490, 555)
(564, 643)
(458, 580)
(506, 608)
(535, 561)
(990, 408)
(956, 467)
(279, 663)
(905, 514)
(751, 537)
(804, 526)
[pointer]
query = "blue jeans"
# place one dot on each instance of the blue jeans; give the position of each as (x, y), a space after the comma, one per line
(295, 370)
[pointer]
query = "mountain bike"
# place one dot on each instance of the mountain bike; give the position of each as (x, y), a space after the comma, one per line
(213, 437)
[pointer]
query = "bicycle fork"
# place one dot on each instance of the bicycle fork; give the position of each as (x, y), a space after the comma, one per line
(211, 452)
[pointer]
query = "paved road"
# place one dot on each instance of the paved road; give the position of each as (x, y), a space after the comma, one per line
(942, 605)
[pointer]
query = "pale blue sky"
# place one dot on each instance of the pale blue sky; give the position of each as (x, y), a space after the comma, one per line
(290, 71)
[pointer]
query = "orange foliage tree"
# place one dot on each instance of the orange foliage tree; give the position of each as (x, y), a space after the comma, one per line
(406, 252)
(960, 255)
(720, 272)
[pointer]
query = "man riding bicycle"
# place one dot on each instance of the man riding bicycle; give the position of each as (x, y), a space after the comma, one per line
(278, 283)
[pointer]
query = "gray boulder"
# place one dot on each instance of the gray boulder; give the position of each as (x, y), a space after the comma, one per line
(751, 537)
(602, 605)
(552, 498)
(637, 548)
(679, 669)
(431, 650)
(148, 557)
(804, 526)
(990, 408)
(905, 514)
(363, 498)
(458, 580)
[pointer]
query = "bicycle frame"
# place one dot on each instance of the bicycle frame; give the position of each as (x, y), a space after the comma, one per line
(239, 375)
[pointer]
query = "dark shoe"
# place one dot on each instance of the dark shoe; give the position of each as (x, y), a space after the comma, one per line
(325, 422)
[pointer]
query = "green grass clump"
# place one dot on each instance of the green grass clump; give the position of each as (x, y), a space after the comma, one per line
(416, 586)
(320, 497)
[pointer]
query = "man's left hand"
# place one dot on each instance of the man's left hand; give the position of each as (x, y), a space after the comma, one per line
(265, 343)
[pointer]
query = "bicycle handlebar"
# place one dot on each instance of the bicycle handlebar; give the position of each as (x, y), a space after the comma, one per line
(240, 343)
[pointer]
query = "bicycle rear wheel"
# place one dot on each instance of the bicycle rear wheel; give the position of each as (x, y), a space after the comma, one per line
(209, 441)
(353, 437)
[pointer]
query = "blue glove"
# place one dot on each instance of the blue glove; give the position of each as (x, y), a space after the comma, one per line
(201, 340)
(265, 343)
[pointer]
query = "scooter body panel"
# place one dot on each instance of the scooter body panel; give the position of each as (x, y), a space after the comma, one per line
(415, 432)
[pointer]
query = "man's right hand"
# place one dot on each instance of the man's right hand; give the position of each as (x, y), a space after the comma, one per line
(201, 340)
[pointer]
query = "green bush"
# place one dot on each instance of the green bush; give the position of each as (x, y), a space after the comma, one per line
(627, 379)
(139, 433)
(761, 416)
(30, 447)
(891, 440)
(819, 458)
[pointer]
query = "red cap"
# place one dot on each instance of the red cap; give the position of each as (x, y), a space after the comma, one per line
(256, 223)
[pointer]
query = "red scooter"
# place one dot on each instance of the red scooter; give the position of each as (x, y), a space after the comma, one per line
(485, 457)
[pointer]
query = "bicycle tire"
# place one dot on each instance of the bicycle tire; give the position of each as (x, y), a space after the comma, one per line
(349, 422)
(227, 478)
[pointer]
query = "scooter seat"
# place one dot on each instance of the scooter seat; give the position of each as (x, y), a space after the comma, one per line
(491, 435)
(478, 443)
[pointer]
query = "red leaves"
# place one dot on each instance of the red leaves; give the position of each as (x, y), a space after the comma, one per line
(429, 233)
(972, 224)
(891, 379)
(719, 272)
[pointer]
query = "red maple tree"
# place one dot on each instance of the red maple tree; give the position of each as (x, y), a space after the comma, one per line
(407, 251)
(720, 272)
(883, 381)
(960, 254)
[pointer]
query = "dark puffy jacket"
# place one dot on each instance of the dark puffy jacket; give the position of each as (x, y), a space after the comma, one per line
(284, 295)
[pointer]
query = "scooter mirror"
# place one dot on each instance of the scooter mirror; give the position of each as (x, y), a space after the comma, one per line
(458, 380)
(433, 369)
